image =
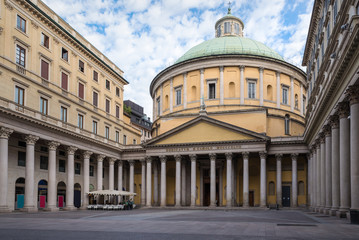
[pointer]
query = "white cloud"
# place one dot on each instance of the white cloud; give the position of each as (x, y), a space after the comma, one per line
(143, 37)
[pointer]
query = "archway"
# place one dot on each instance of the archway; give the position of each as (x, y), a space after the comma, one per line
(42, 193)
(19, 193)
(77, 195)
(61, 194)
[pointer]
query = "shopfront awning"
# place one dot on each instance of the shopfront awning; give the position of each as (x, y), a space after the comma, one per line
(111, 193)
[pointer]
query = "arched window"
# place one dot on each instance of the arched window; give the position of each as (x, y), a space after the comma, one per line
(270, 92)
(271, 189)
(231, 90)
(227, 27)
(286, 125)
(193, 93)
(301, 188)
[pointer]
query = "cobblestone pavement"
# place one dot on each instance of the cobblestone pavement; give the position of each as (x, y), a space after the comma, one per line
(181, 224)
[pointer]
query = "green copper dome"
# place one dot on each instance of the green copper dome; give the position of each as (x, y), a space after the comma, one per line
(229, 45)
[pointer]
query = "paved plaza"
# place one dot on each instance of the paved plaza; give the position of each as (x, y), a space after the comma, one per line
(175, 224)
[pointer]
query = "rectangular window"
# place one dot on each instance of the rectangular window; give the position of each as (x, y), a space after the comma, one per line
(158, 106)
(20, 55)
(286, 125)
(45, 40)
(80, 121)
(227, 27)
(77, 168)
(107, 106)
(62, 166)
(64, 81)
(21, 24)
(81, 90)
(117, 111)
(117, 92)
(108, 86)
(63, 114)
(65, 54)
(95, 99)
(44, 69)
(44, 162)
(117, 136)
(21, 159)
(95, 76)
(107, 132)
(252, 90)
(43, 105)
(44, 149)
(124, 139)
(19, 95)
(328, 34)
(92, 170)
(178, 96)
(285, 95)
(303, 104)
(357, 9)
(211, 91)
(134, 141)
(81, 66)
(335, 12)
(94, 127)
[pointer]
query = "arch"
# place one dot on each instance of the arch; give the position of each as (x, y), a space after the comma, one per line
(231, 88)
(301, 188)
(271, 188)
(19, 193)
(77, 195)
(270, 92)
(42, 193)
(193, 93)
(166, 102)
(61, 194)
(286, 124)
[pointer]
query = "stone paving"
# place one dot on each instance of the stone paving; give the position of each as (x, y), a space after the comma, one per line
(156, 223)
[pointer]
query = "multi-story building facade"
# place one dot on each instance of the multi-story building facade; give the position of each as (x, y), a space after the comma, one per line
(139, 119)
(332, 59)
(61, 111)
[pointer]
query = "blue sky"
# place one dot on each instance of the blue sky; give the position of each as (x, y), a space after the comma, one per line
(143, 37)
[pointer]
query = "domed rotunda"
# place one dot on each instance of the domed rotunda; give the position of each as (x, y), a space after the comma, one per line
(229, 116)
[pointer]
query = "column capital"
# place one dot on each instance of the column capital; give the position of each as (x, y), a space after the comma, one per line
(278, 74)
(163, 158)
(334, 121)
(112, 161)
(279, 156)
(221, 68)
(212, 156)
(71, 150)
(294, 156)
(321, 137)
(343, 109)
(178, 158)
(353, 94)
(143, 161)
(193, 157)
(120, 163)
(131, 162)
(148, 159)
(261, 69)
(262, 155)
(242, 67)
(184, 74)
(229, 155)
(313, 147)
(309, 156)
(327, 130)
(5, 132)
(53, 145)
(202, 71)
(100, 157)
(31, 139)
(245, 155)
(87, 154)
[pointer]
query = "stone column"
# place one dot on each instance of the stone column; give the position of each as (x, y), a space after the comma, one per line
(221, 86)
(229, 178)
(261, 86)
(354, 146)
(334, 122)
(294, 180)
(86, 173)
(30, 204)
(242, 85)
(344, 154)
(155, 183)
(245, 179)
(132, 175)
(183, 183)
(212, 157)
(178, 180)
(278, 89)
(70, 178)
(100, 171)
(143, 182)
(149, 182)
(328, 169)
(314, 182)
(309, 179)
(111, 175)
(52, 183)
(318, 165)
(263, 180)
(120, 175)
(279, 179)
(185, 90)
(163, 160)
(193, 158)
(322, 172)
(4, 162)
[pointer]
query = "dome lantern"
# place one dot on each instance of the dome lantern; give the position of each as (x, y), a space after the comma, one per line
(229, 25)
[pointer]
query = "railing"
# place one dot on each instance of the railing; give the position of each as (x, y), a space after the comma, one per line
(21, 69)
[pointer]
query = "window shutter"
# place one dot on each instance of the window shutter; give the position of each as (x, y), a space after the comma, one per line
(81, 91)
(64, 81)
(44, 70)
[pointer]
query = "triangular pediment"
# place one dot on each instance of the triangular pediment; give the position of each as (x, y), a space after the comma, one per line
(204, 129)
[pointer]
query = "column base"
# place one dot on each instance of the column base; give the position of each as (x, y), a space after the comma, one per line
(321, 210)
(342, 213)
(327, 211)
(5, 209)
(212, 205)
(29, 209)
(178, 206)
(333, 211)
(70, 208)
(51, 209)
